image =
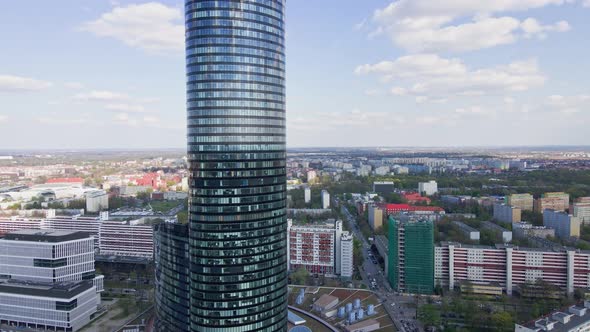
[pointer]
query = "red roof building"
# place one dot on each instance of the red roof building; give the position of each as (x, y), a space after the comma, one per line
(413, 198)
(66, 180)
(396, 208)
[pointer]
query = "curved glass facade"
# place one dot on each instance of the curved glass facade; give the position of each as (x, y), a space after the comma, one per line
(172, 277)
(235, 64)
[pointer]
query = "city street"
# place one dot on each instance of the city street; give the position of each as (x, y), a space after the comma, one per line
(401, 308)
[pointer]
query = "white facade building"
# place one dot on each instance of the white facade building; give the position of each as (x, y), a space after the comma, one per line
(581, 210)
(428, 188)
(320, 248)
(97, 201)
(123, 238)
(325, 199)
(307, 194)
(311, 176)
(346, 255)
(61, 307)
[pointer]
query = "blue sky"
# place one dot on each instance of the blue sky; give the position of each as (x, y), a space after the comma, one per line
(110, 74)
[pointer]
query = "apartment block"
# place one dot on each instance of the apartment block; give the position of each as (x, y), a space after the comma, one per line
(558, 201)
(411, 256)
(322, 248)
(525, 202)
(428, 188)
(506, 213)
(375, 216)
(510, 266)
(581, 209)
(565, 225)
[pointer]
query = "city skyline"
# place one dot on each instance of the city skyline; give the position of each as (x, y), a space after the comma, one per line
(390, 74)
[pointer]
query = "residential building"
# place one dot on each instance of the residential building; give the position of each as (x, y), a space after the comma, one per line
(383, 187)
(524, 229)
(524, 202)
(411, 256)
(510, 266)
(505, 234)
(320, 248)
(311, 176)
(565, 225)
(172, 276)
(307, 195)
(346, 255)
(470, 232)
(581, 209)
(382, 170)
(428, 188)
(235, 63)
(375, 214)
(575, 319)
(506, 213)
(325, 199)
(557, 201)
(127, 238)
(415, 198)
(97, 201)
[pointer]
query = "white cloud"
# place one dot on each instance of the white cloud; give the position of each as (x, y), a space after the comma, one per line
(10, 83)
(101, 96)
(532, 28)
(568, 104)
(427, 26)
(54, 120)
(152, 26)
(74, 85)
(429, 75)
(326, 121)
(586, 3)
(126, 108)
(3, 118)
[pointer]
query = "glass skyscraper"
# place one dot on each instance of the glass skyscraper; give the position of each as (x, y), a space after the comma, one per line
(235, 61)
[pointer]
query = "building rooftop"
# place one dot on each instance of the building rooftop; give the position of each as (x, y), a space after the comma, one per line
(64, 290)
(35, 235)
(560, 321)
(361, 325)
(325, 300)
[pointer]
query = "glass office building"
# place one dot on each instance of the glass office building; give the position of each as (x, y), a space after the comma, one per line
(235, 63)
(171, 254)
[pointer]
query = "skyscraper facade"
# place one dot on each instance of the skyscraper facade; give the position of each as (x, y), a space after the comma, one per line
(235, 61)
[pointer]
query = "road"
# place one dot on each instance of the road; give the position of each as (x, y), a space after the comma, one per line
(400, 307)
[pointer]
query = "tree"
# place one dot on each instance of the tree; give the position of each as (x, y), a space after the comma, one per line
(429, 315)
(502, 321)
(299, 276)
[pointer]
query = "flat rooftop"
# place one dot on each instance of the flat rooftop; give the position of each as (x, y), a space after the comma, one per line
(64, 290)
(35, 235)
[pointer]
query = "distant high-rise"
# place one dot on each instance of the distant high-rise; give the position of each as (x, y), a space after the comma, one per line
(235, 62)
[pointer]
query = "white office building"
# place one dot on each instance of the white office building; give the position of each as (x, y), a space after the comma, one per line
(48, 256)
(428, 188)
(325, 199)
(97, 201)
(307, 194)
(53, 307)
(346, 255)
(48, 280)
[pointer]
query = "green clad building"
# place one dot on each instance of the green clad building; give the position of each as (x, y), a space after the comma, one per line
(411, 256)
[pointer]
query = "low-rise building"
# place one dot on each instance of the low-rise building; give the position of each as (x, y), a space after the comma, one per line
(363, 326)
(383, 187)
(470, 232)
(575, 319)
(325, 303)
(524, 229)
(505, 234)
